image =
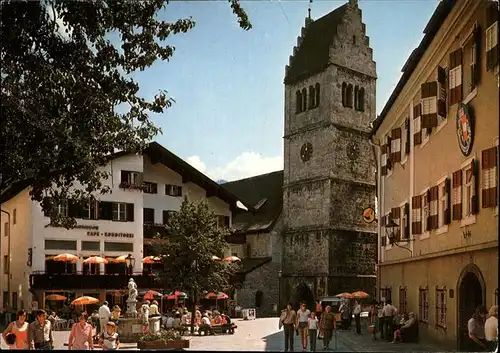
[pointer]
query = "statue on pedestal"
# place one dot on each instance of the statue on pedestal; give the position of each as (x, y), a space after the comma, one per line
(132, 299)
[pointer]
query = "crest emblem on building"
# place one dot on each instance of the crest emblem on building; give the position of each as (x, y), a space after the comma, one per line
(465, 129)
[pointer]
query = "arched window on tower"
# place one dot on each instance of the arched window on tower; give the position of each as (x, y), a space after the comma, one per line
(356, 96)
(349, 96)
(344, 94)
(312, 97)
(361, 100)
(304, 99)
(298, 102)
(316, 91)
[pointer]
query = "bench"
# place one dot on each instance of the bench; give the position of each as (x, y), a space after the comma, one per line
(224, 329)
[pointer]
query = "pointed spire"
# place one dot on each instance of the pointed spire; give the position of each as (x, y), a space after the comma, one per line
(309, 18)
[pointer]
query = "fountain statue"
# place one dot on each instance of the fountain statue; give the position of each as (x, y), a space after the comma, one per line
(132, 299)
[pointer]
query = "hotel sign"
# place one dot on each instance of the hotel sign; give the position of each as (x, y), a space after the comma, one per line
(465, 129)
(110, 234)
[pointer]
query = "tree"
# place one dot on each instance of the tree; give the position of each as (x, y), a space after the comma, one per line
(193, 239)
(61, 86)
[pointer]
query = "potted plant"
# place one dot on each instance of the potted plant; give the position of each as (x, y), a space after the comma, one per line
(164, 339)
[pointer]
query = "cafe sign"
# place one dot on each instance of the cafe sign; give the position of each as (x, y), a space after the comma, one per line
(110, 234)
(465, 129)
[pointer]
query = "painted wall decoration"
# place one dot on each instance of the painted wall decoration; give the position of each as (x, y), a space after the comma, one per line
(465, 129)
(368, 215)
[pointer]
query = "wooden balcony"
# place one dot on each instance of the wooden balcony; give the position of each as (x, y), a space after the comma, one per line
(79, 281)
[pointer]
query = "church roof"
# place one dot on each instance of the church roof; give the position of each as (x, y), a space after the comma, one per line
(265, 191)
(313, 53)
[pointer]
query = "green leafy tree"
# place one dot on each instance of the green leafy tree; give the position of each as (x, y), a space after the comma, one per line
(192, 241)
(62, 79)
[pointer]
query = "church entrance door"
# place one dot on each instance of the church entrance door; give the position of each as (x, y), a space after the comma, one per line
(304, 294)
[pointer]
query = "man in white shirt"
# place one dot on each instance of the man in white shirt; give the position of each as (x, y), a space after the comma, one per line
(357, 317)
(104, 316)
(389, 312)
(206, 326)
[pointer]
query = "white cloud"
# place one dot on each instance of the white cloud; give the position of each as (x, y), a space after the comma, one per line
(246, 165)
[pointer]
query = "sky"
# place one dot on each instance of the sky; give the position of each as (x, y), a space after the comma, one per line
(227, 120)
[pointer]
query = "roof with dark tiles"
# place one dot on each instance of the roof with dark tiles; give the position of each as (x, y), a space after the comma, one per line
(313, 54)
(253, 191)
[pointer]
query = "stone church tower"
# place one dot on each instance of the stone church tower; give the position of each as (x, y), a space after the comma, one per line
(329, 174)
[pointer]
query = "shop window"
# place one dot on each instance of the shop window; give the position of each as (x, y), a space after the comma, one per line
(121, 247)
(51, 244)
(91, 245)
(386, 293)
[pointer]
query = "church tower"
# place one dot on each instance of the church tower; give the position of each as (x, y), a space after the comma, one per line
(329, 166)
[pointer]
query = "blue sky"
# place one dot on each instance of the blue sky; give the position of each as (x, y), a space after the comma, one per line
(228, 83)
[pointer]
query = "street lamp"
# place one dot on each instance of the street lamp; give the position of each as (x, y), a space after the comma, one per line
(392, 231)
(280, 274)
(130, 263)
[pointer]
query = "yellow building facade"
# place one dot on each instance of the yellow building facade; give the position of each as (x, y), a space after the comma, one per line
(436, 142)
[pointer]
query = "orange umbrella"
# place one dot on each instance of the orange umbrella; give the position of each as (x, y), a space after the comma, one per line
(55, 297)
(120, 259)
(66, 258)
(95, 260)
(151, 294)
(215, 258)
(344, 295)
(85, 301)
(216, 296)
(150, 259)
(231, 259)
(360, 294)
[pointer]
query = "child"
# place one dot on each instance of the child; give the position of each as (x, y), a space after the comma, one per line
(109, 339)
(312, 325)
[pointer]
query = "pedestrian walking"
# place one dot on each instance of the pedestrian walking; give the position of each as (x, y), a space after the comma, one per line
(109, 339)
(357, 317)
(40, 334)
(328, 322)
(302, 318)
(389, 313)
(491, 329)
(344, 313)
(104, 316)
(319, 310)
(145, 316)
(381, 318)
(475, 326)
(287, 320)
(81, 337)
(312, 326)
(16, 333)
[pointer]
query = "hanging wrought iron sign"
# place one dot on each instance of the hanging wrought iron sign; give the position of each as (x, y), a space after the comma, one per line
(465, 129)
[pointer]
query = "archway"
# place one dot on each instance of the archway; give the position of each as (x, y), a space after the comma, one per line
(471, 294)
(304, 294)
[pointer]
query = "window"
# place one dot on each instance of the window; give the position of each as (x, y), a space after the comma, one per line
(425, 212)
(443, 204)
(405, 128)
(429, 106)
(222, 221)
(6, 264)
(60, 244)
(149, 215)
(386, 293)
(470, 74)
(150, 188)
(91, 245)
(349, 97)
(62, 209)
(166, 216)
(131, 178)
(423, 304)
(298, 102)
(492, 36)
(312, 97)
(6, 229)
(356, 97)
(489, 177)
(455, 77)
(14, 216)
(304, 99)
(403, 300)
(173, 190)
(344, 94)
(317, 91)
(90, 211)
(468, 192)
(404, 221)
(122, 247)
(119, 211)
(441, 307)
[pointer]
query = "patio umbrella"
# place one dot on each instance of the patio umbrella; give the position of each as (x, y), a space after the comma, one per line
(176, 294)
(151, 294)
(56, 297)
(151, 259)
(66, 258)
(216, 296)
(344, 295)
(231, 259)
(95, 260)
(120, 259)
(216, 258)
(360, 294)
(85, 301)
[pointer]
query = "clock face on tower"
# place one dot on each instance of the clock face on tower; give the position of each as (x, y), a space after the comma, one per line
(306, 151)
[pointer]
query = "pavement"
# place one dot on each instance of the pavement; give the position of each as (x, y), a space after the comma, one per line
(264, 335)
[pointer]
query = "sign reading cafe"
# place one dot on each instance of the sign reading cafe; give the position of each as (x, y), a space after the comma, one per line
(110, 234)
(465, 129)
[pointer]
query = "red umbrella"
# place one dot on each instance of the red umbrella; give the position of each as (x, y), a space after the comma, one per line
(176, 294)
(151, 294)
(216, 296)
